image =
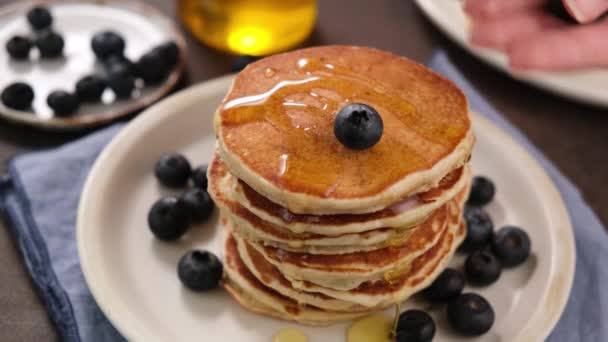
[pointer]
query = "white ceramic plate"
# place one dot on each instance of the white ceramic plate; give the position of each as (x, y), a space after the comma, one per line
(142, 26)
(585, 85)
(133, 276)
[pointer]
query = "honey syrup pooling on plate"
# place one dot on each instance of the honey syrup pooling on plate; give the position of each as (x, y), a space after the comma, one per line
(252, 27)
(302, 108)
(373, 328)
(289, 335)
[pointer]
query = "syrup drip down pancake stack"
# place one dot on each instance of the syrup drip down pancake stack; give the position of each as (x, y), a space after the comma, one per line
(317, 231)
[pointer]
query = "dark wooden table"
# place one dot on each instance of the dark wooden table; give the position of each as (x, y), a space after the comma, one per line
(573, 135)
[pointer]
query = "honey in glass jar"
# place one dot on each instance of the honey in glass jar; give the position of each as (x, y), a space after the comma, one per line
(250, 27)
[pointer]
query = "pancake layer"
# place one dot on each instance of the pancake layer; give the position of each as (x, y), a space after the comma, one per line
(263, 290)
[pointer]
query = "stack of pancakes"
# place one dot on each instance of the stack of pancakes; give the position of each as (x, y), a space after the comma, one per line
(317, 232)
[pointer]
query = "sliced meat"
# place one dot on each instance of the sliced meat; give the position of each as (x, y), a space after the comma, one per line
(575, 47)
(500, 8)
(586, 11)
(499, 33)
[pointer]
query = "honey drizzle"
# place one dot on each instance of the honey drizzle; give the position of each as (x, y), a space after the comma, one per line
(309, 104)
(396, 320)
(395, 274)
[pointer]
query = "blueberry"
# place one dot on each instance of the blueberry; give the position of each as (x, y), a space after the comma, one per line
(169, 52)
(482, 268)
(168, 219)
(482, 191)
(40, 18)
(199, 203)
(358, 126)
(90, 88)
(415, 326)
(479, 229)
(18, 47)
(240, 62)
(470, 314)
(120, 80)
(50, 44)
(200, 270)
(62, 103)
(199, 177)
(112, 60)
(448, 285)
(107, 43)
(18, 96)
(173, 170)
(511, 245)
(151, 67)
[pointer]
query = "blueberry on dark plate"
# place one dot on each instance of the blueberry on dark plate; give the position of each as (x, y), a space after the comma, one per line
(90, 88)
(50, 44)
(120, 80)
(18, 47)
(482, 268)
(482, 191)
(151, 67)
(358, 126)
(169, 219)
(169, 51)
(39, 17)
(107, 43)
(173, 170)
(18, 96)
(200, 270)
(511, 245)
(470, 314)
(448, 285)
(479, 228)
(63, 103)
(199, 203)
(415, 326)
(199, 177)
(240, 62)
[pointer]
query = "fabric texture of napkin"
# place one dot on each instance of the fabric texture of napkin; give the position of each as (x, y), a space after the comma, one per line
(40, 200)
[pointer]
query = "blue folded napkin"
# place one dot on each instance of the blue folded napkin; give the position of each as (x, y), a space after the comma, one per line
(40, 198)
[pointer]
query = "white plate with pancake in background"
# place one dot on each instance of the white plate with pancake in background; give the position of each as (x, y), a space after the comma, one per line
(142, 26)
(583, 85)
(133, 276)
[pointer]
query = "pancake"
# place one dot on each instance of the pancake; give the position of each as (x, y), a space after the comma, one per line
(320, 245)
(242, 285)
(275, 129)
(270, 276)
(254, 228)
(347, 271)
(405, 213)
(306, 315)
(421, 273)
(305, 232)
(254, 295)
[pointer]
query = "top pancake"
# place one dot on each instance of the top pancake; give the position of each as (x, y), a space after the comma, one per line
(275, 129)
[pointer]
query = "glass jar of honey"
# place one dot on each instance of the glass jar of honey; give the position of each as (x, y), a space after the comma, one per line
(250, 27)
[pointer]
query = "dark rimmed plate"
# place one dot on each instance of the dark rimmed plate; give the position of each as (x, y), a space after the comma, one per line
(143, 28)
